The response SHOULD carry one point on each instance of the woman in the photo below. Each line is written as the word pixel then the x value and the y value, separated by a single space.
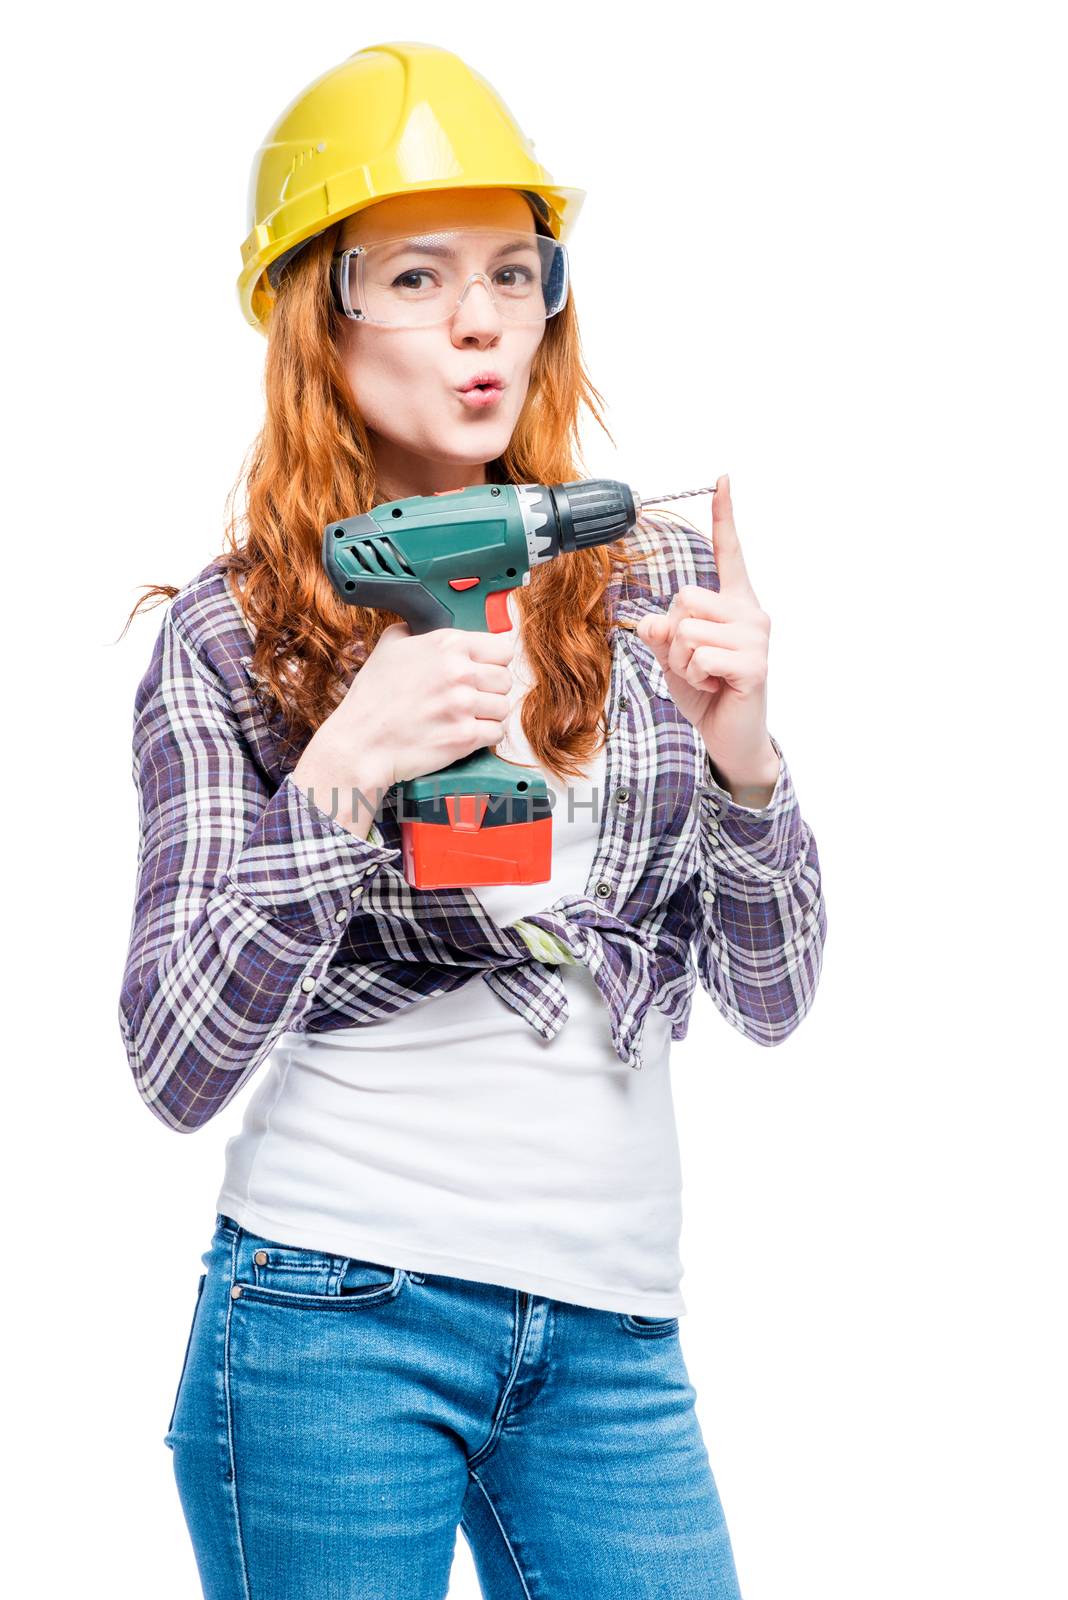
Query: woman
pixel 443 1283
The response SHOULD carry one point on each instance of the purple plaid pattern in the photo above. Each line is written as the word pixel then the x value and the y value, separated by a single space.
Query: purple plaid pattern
pixel 255 913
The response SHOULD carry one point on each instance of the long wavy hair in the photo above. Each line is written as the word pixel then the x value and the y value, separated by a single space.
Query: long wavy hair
pixel 312 463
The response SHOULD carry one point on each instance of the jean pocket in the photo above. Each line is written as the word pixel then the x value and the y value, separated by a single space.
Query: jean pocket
pixel 649 1327
pixel 185 1359
pixel 283 1274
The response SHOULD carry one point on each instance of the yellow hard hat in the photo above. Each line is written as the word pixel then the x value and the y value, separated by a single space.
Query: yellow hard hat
pixel 392 119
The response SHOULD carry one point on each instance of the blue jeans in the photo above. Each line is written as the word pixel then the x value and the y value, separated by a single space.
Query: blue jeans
pixel 336 1420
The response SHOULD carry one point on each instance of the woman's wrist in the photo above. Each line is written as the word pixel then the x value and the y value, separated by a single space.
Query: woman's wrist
pixel 751 782
pixel 351 795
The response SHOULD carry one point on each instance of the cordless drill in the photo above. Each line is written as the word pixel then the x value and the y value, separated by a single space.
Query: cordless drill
pixel 449 560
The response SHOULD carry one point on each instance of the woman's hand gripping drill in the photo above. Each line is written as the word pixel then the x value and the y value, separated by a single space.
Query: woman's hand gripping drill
pixel 419 702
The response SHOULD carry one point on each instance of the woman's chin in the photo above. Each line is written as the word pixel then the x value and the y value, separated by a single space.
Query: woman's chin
pixel 492 438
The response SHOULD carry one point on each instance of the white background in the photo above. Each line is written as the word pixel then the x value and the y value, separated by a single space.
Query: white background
pixel 822 250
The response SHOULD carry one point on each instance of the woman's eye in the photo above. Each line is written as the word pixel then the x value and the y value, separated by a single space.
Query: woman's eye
pixel 527 275
pixel 416 272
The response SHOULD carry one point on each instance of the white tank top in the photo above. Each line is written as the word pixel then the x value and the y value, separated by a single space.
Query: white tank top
pixel 452 1139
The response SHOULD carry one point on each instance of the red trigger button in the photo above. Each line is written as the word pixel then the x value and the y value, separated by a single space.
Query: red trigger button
pixel 463 583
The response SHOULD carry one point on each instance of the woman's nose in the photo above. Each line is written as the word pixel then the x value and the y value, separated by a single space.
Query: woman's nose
pixel 476 310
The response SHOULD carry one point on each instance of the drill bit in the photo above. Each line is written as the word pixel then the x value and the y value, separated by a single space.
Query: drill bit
pixel 683 494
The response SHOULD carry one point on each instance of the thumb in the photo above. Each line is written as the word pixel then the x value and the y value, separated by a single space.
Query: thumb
pixel 389 636
pixel 656 633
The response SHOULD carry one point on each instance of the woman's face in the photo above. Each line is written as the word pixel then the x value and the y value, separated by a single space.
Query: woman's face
pixel 405 380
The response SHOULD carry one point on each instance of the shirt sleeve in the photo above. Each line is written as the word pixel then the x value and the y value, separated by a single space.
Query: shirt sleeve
pixel 762 916
pixel 241 899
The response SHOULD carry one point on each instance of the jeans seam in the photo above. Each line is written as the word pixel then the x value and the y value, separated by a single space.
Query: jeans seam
pixel 228 1407
pixel 519 1345
pixel 507 1542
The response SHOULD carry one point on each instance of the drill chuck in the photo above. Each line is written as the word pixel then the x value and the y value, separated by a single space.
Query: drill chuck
pixel 594 511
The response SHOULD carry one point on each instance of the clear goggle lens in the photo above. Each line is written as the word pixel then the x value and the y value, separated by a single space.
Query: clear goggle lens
pixel 421 279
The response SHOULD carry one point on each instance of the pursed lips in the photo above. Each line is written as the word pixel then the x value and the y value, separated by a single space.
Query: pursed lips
pixel 482 380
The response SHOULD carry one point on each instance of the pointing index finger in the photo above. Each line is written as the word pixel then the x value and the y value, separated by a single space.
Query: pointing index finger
pixel 726 546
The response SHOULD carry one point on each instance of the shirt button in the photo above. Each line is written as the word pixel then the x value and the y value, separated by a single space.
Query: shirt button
pixel 622 795
pixel 308 984
pixel 709 895
pixel 603 888
pixel 341 916
pixel 713 823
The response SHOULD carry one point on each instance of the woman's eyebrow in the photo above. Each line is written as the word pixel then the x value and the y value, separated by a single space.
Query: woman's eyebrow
pixel 426 248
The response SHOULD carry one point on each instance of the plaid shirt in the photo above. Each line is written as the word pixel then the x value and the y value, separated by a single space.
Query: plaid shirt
pixel 256 913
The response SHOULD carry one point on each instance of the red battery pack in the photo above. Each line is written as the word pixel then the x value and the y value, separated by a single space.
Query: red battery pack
pixel 463 854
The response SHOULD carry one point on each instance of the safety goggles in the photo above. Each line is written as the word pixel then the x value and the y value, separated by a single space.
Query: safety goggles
pixel 417 280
